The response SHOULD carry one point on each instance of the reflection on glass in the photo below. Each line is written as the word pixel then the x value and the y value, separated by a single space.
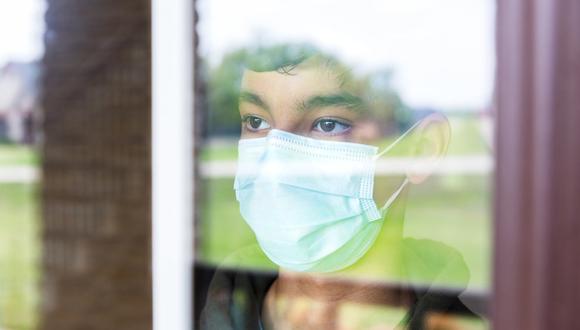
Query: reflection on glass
pixel 339 205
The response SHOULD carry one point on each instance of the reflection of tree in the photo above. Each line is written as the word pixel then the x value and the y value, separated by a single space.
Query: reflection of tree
pixel 223 90
pixel 223 82
pixel 387 106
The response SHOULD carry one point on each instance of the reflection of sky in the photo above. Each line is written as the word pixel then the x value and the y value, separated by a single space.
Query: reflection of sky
pixel 21 29
pixel 442 51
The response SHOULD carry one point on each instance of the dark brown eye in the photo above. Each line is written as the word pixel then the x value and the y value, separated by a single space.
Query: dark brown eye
pixel 255 122
pixel 327 125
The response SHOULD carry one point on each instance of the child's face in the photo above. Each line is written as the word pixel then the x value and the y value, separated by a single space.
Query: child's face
pixel 310 100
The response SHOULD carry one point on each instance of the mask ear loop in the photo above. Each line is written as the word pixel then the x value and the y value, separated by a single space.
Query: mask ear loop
pixel 399 139
pixel 396 194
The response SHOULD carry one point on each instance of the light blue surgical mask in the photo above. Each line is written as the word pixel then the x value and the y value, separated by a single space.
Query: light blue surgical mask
pixel 308 201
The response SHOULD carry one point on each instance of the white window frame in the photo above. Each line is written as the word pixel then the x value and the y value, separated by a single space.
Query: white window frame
pixel 172 163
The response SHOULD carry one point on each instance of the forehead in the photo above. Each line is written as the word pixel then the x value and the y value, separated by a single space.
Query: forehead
pixel 301 81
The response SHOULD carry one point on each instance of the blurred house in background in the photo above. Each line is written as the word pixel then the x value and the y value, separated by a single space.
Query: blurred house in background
pixel 18 101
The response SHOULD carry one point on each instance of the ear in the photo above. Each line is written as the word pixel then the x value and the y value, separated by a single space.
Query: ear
pixel 431 139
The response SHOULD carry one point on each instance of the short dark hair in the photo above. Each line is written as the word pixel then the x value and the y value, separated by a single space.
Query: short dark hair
pixel 284 58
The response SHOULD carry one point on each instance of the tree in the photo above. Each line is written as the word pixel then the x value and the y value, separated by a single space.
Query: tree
pixel 223 84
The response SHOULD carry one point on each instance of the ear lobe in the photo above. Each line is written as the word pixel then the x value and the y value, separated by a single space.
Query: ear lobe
pixel 431 140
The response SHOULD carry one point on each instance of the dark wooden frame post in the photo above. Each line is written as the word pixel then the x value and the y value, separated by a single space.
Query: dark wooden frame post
pixel 537 199
pixel 96 166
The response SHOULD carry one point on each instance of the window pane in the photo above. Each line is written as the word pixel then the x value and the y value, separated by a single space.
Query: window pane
pixel 347 148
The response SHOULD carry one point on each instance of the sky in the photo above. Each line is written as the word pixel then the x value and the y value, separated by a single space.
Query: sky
pixel 442 51
pixel 21 30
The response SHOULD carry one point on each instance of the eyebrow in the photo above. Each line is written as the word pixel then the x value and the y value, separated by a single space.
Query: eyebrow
pixel 342 99
pixel 254 99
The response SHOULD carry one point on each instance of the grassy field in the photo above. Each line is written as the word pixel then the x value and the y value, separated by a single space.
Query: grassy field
pixel 453 210
pixel 449 210
pixel 19 256
pixel 18 155
pixel 457 215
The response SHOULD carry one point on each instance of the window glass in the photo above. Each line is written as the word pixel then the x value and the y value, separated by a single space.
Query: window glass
pixel 345 165
pixel 21 31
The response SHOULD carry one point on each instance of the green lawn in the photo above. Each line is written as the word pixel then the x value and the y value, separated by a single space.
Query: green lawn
pixel 452 210
pixel 19 256
pixel 15 155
